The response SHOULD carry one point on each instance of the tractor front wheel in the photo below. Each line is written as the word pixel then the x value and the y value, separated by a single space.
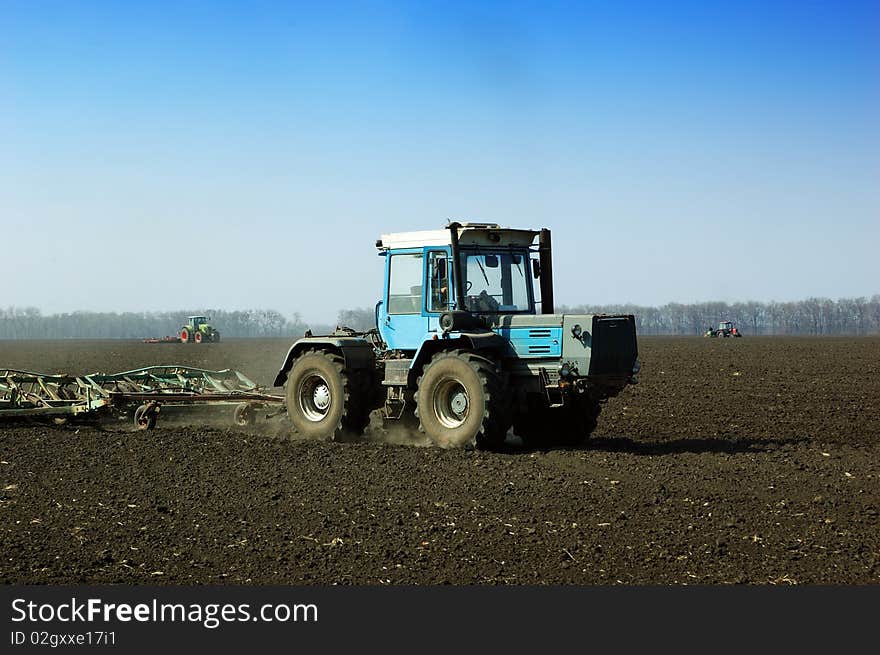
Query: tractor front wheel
pixel 569 425
pixel 184 335
pixel 461 401
pixel 199 337
pixel 323 399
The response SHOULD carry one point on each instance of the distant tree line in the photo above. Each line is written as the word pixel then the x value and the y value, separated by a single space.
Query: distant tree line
pixel 813 316
pixel 31 323
pixel 359 318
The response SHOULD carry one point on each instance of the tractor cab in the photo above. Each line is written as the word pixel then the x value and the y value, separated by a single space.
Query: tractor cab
pixel 725 326
pixel 197 321
pixel 479 268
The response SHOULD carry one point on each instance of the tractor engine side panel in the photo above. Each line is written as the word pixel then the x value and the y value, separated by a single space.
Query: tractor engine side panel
pixel 534 342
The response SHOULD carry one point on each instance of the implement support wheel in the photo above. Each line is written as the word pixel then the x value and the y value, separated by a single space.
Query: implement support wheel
pixel 244 415
pixel 145 416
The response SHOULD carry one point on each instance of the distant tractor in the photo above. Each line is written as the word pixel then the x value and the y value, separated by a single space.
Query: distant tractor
pixel 460 349
pixel 725 329
pixel 198 330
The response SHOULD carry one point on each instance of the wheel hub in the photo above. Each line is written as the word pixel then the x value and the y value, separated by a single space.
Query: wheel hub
pixel 459 403
pixel 322 397
pixel 315 398
pixel 451 403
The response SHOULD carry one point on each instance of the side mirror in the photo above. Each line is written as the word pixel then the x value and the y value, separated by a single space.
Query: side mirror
pixel 491 261
pixel 536 268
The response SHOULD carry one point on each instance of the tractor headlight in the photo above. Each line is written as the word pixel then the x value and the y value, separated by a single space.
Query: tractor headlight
pixel 577 330
pixel 637 366
pixel 564 371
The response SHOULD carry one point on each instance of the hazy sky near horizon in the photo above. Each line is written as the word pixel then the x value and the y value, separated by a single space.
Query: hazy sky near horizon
pixel 170 155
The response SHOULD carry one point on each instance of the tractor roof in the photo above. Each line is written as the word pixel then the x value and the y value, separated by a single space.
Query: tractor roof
pixel 469 234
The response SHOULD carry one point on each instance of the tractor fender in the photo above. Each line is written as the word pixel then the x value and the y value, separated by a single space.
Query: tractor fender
pixel 355 351
pixel 485 342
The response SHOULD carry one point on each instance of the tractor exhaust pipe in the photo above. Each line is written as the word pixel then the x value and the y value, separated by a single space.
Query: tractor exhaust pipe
pixel 545 252
pixel 458 275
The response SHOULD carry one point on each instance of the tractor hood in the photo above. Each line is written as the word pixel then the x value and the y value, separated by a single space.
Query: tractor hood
pixel 599 345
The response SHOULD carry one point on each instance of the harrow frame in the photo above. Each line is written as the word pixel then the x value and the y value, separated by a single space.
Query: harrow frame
pixel 139 393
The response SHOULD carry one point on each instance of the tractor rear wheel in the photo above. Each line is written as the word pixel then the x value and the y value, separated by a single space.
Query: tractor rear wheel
pixel 461 401
pixel 324 400
pixel 199 337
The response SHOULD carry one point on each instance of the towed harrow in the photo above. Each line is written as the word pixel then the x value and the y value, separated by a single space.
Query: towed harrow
pixel 139 395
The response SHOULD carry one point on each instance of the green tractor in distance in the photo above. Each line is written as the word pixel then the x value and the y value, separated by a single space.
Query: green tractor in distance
pixel 725 329
pixel 198 330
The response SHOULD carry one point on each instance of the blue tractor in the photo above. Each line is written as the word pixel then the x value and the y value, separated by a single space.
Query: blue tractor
pixel 464 346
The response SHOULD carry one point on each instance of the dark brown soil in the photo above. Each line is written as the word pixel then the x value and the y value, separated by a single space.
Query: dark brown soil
pixel 754 460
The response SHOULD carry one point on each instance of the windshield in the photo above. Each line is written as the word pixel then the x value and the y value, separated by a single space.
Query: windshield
pixel 496 282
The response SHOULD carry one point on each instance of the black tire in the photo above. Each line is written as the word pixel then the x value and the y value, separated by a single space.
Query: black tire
pixel 577 422
pixel 324 400
pixel 461 401
pixel 216 337
pixel 570 425
pixel 144 419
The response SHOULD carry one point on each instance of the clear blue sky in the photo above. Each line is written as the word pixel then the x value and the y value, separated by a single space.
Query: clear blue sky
pixel 166 155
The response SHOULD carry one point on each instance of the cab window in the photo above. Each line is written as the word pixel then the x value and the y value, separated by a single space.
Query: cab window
pixel 438 281
pixel 405 284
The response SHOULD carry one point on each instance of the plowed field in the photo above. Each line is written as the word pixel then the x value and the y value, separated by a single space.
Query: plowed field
pixel 753 460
